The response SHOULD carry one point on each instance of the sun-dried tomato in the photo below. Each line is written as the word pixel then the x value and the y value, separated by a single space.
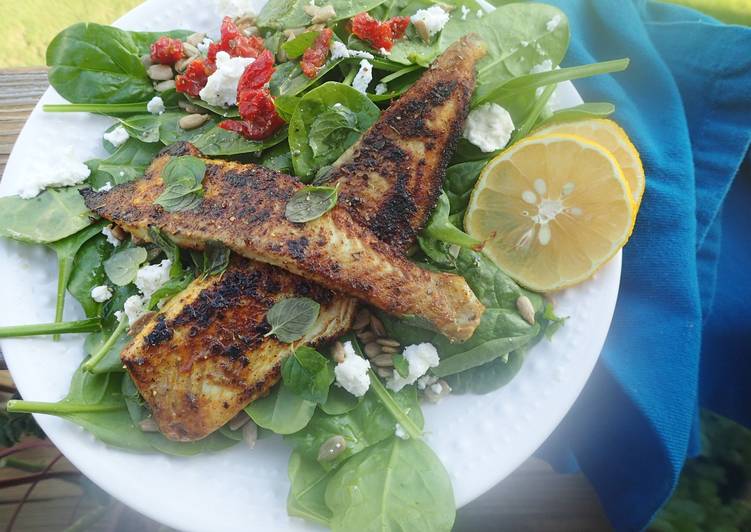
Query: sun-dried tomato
pixel 235 42
pixel 379 34
pixel 257 74
pixel 195 77
pixel 260 119
pixel 166 50
pixel 315 56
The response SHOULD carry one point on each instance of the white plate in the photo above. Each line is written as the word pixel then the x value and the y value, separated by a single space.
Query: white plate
pixel 480 439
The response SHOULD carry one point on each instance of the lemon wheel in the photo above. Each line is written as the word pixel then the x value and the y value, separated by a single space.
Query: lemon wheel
pixel 551 210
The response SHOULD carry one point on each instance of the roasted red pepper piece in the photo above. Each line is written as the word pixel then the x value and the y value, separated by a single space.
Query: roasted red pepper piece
pixel 195 77
pixel 379 34
pixel 166 50
pixel 315 56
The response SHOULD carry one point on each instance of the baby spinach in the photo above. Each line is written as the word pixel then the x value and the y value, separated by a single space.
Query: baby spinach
pixel 88 272
pixel 396 485
pixel 339 401
pixel 308 374
pixel 217 141
pixel 171 288
pixel 278 158
pixel 307 491
pixel 282 411
pixel 183 184
pixel 440 227
pixel 144 39
pixel 92 63
pixel 291 318
pixel 226 112
pixel 330 141
pixel 310 203
pixel 110 345
pixel 213 260
pixel 288 78
pixel 458 184
pixel 580 112
pixel 52 215
pixel 297 46
pixel 489 376
pixel 121 268
pixel 169 248
pixel 126 163
pixel 291 13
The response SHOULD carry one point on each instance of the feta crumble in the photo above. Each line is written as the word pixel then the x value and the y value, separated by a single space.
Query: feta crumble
pixel 152 277
pixel 400 432
pixel 155 106
pixel 381 88
pixel 363 77
pixel 134 308
pixel 221 87
pixel 553 23
pixel 111 238
pixel 340 51
pixel 102 293
pixel 545 66
pixel 489 127
pixel 420 358
pixel 104 188
pixel 68 171
pixel 117 136
pixel 426 381
pixel 384 52
pixel 465 12
pixel 352 374
pixel 203 46
pixel 434 18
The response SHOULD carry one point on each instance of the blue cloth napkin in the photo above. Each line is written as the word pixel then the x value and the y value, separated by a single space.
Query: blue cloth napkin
pixel 682 325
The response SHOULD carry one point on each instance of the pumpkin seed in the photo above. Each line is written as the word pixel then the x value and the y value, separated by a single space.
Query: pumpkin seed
pixel 160 72
pixel 526 310
pixel 192 121
pixel 372 349
pixel 332 448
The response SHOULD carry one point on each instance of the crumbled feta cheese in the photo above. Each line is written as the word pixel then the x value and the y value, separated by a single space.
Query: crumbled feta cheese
pixel 221 87
pixel 117 136
pixel 425 381
pixel 553 23
pixel 104 188
pixel 203 46
pixel 340 51
pixel 436 388
pixel 384 52
pixel 400 432
pixel 545 66
pixel 434 18
pixel 134 308
pixel 155 106
pixel 152 277
pixel 111 238
pixel 381 88
pixel 352 374
pixel 67 171
pixel 102 293
pixel 235 8
pixel 465 12
pixel 489 127
pixel 420 358
pixel 363 76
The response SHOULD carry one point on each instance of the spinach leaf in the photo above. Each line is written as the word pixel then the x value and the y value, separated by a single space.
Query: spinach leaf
pixel 109 361
pixel 459 181
pixel 439 227
pixel 221 142
pixel 308 481
pixel 144 39
pixel 52 215
pixel 88 272
pixel 329 129
pixel 213 260
pixel 580 112
pixel 170 249
pixel 339 401
pixel 291 14
pixel 183 181
pixel 282 411
pixel 291 318
pixel 396 485
pixel 278 158
pixel 121 268
pixel 365 425
pixel 310 202
pixel 297 46
pixel 126 163
pixel 308 374
pixel 489 376
pixel 172 287
pixel 288 78
pixel 91 63
pixel 327 98
pixel 286 105
pixel 226 112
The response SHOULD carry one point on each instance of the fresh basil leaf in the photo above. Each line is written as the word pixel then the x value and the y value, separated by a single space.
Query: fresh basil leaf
pixel 213 260
pixel 310 203
pixel 401 365
pixel 171 288
pixel 297 46
pixel 121 268
pixel 185 166
pixel 329 130
pixel 52 215
pixel 183 194
pixel 282 411
pixel 308 374
pixel 170 249
pixel 291 318
pixel 397 481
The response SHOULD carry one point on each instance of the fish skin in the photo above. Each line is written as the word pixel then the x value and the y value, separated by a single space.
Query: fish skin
pixel 185 411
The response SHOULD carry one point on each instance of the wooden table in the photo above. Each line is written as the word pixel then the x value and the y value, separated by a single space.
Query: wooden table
pixel 533 498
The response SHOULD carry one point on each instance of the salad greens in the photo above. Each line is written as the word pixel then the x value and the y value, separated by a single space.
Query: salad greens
pixel 377 473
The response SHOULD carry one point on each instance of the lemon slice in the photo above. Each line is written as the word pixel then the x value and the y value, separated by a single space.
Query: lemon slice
pixel 611 136
pixel 551 210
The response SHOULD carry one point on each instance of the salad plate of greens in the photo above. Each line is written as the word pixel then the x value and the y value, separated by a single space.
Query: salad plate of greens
pixel 386 425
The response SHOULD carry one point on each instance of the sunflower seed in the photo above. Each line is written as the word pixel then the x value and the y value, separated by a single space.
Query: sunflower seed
pixel 196 38
pixel 146 60
pixel 160 72
pixel 332 448
pixel 250 434
pixel 362 319
pixel 372 349
pixel 190 50
pixel 422 30
pixel 377 326
pixel 148 425
pixel 189 107
pixel 388 342
pixel 385 373
pixel 337 352
pixel 239 420
pixel 320 14
pixel 526 310
pixel 182 64
pixel 165 85
pixel 192 121
pixel 383 361
pixel 436 392
pixel 389 350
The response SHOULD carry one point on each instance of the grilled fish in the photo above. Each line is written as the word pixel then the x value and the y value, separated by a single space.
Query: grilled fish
pixel 187 409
